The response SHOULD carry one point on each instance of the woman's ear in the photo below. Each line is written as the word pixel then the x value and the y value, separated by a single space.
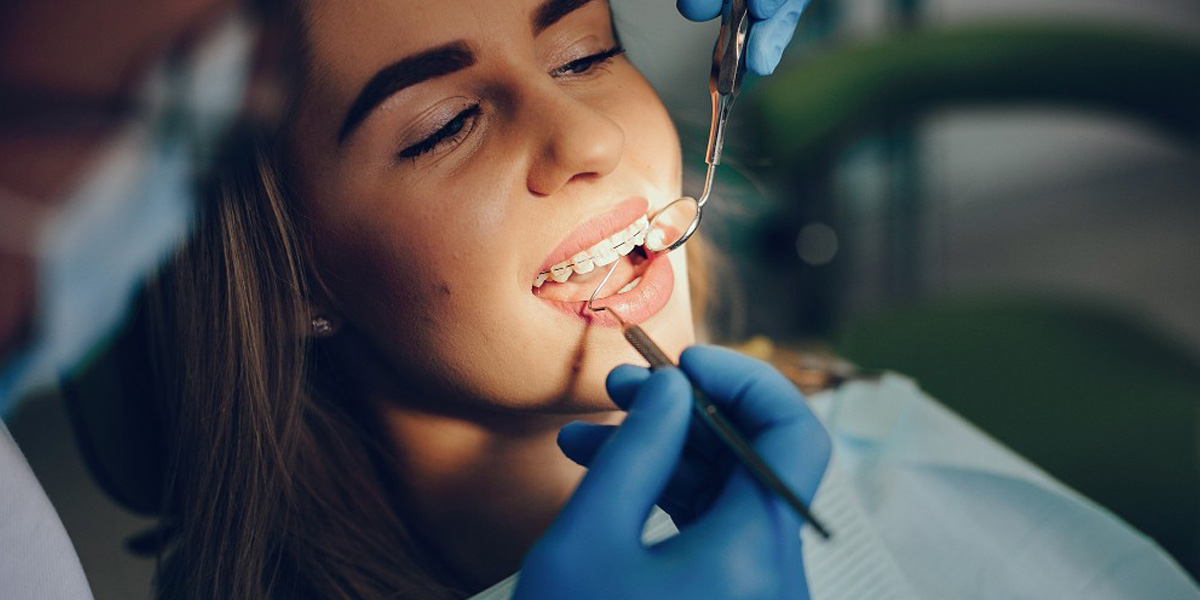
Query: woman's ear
pixel 323 319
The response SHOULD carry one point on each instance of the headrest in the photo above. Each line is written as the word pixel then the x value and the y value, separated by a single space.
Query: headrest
pixel 111 405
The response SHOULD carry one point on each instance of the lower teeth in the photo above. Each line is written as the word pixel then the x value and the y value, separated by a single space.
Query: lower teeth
pixel 630 286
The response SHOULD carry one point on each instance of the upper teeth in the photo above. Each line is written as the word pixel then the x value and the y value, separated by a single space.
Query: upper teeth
pixel 602 253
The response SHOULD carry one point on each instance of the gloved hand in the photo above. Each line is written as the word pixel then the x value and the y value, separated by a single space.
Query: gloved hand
pixel 737 540
pixel 772 24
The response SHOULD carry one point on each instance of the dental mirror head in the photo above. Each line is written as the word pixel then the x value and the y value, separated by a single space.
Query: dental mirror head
pixel 667 230
pixel 673 225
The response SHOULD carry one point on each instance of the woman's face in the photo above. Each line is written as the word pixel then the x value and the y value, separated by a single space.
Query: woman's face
pixel 447 153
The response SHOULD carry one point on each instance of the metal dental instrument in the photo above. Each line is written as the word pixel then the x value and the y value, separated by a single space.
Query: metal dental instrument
pixel 724 83
pixel 711 415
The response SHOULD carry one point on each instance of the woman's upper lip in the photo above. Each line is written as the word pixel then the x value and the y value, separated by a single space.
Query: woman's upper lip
pixel 597 228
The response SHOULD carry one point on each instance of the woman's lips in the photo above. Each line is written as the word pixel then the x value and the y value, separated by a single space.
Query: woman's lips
pixel 645 300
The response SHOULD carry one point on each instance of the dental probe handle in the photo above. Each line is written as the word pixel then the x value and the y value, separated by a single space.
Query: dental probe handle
pixel 725 430
pixel 751 459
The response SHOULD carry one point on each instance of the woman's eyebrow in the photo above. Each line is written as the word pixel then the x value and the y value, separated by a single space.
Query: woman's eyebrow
pixel 408 71
pixel 435 62
pixel 551 11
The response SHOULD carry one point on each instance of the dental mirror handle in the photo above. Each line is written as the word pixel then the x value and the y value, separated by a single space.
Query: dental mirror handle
pixel 728 69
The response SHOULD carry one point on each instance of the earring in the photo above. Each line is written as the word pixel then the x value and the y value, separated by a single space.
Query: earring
pixel 321 326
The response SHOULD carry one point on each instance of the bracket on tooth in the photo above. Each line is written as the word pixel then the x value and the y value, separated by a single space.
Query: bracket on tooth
pixel 584 263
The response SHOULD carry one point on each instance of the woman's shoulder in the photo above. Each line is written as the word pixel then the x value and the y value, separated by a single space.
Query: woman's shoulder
pixel 960 514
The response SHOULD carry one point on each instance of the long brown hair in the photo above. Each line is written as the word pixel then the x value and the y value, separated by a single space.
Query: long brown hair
pixel 277 489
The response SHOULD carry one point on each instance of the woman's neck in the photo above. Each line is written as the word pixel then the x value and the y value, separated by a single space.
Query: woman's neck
pixel 482 491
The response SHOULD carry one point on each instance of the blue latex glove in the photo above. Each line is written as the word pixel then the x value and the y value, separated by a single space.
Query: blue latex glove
pixel 736 539
pixel 772 24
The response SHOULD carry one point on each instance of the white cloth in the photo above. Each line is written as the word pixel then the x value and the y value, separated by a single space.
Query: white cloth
pixel 37 560
pixel 924 505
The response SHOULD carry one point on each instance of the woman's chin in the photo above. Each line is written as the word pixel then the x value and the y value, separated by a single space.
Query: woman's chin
pixel 590 391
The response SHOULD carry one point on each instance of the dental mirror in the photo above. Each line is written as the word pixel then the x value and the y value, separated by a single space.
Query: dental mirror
pixel 673 225
pixel 725 82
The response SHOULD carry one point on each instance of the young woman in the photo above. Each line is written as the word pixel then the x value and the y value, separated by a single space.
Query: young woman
pixel 365 363
pixel 436 159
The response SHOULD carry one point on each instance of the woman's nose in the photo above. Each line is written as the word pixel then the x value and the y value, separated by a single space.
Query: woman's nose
pixel 576 141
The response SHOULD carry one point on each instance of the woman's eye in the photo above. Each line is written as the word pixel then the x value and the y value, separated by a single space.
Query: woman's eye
pixel 448 132
pixel 587 63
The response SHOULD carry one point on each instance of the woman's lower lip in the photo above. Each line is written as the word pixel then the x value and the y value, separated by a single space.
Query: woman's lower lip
pixel 635 306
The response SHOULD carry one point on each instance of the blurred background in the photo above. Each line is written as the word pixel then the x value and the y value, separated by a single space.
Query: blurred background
pixel 1033 194
pixel 1001 200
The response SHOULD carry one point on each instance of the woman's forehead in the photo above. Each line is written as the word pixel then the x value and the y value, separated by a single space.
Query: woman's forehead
pixel 348 30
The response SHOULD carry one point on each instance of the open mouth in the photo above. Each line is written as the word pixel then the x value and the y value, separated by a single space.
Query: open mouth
pixel 641 283
pixel 574 280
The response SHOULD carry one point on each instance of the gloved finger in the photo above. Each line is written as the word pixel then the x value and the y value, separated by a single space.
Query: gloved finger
pixel 633 468
pixel 699 10
pixel 757 526
pixel 704 443
pixel 692 488
pixel 750 392
pixel 743 555
pixel 770 37
pixel 623 383
pixel 581 441
pixel 769 409
pixel 798 451
pixel 764 9
pixel 747 514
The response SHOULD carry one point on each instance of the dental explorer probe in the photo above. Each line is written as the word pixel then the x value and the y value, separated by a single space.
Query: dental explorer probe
pixel 712 416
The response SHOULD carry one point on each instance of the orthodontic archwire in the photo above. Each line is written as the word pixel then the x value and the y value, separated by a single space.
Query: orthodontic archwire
pixel 592 300
pixel 641 232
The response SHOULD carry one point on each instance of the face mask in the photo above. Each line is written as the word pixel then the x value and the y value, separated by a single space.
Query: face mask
pixel 129 213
